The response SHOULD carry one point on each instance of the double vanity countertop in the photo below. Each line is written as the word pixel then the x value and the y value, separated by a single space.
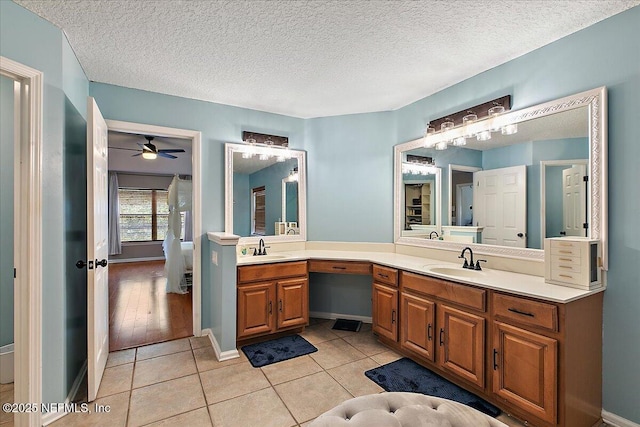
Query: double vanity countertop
pixel 505 281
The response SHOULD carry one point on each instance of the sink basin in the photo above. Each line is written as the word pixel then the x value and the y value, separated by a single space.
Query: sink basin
pixel 454 272
pixel 267 257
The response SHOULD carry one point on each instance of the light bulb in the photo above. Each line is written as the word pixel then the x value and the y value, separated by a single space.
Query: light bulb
pixel 148 155
pixel 484 135
pixel 510 129
pixel 459 141
pixel 442 145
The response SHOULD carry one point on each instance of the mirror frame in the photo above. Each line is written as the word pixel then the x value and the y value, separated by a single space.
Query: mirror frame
pixel 229 149
pixel 596 101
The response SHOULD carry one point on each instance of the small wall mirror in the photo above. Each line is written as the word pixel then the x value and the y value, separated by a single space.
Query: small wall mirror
pixel 546 177
pixel 265 195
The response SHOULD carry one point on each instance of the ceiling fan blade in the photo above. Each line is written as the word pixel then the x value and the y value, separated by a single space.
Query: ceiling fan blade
pixel 168 156
pixel 145 147
pixel 122 148
pixel 171 150
pixel 135 155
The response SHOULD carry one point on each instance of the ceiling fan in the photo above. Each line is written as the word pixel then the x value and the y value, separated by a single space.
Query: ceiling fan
pixel 150 151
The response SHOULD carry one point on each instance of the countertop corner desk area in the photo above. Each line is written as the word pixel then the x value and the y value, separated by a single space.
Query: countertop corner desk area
pixel 522 344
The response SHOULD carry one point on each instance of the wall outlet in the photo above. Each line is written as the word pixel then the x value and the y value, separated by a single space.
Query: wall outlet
pixel 214 257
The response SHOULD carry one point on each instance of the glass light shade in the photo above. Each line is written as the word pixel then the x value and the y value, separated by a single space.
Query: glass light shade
pixel 429 130
pixel 496 110
pixel 467 122
pixel 460 141
pixel 509 129
pixel 447 124
pixel 264 156
pixel 442 145
pixel 148 155
pixel 484 135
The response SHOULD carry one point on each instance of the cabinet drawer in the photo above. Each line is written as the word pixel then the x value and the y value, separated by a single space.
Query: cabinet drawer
pixel 525 311
pixel 567 276
pixel 448 291
pixel 341 267
pixel 566 259
pixel 568 250
pixel 385 274
pixel 561 266
pixel 252 273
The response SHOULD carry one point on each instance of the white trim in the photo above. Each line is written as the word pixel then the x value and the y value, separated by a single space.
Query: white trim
pixel 125 260
pixel 229 149
pixel 616 420
pixel 596 102
pixel 196 138
pixel 332 316
pixel 543 199
pixel 223 239
pixel 28 242
pixel 459 168
pixel 221 356
pixel 51 417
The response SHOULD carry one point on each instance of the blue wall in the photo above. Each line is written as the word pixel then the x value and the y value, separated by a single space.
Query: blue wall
pixel 350 163
pixel 6 210
pixel 27 38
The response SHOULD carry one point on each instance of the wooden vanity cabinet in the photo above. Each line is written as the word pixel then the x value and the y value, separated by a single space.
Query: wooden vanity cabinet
pixel 384 297
pixel 437 326
pixel 272 298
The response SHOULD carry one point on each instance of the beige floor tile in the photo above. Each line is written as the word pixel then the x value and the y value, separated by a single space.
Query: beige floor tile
pixel 164 368
pixel 386 357
pixel 121 357
pixel 118 405
pixel 163 400
pixel 366 342
pixel 318 333
pixel 6 396
pixel 291 369
pixel 116 380
pixel 261 408
pixel 163 348
pixel 206 359
pixel 311 396
pixel 199 342
pixel 232 381
pixel 351 376
pixel 6 387
pixel 317 321
pixel 198 418
pixel 335 353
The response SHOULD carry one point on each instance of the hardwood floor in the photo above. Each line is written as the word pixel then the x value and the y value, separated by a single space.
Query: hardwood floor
pixel 140 311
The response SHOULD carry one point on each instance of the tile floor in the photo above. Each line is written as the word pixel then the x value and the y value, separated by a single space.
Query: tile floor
pixel 180 383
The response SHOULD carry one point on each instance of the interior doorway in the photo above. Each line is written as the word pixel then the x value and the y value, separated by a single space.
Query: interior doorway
pixel 148 301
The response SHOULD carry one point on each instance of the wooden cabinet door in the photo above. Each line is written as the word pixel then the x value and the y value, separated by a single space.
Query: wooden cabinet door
pixel 417 325
pixel 525 367
pixel 293 303
pixel 461 344
pixel 385 311
pixel 256 308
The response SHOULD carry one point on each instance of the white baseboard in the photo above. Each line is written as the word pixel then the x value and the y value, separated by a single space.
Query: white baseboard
pixel 123 260
pixel 617 421
pixel 326 315
pixel 51 417
pixel 221 356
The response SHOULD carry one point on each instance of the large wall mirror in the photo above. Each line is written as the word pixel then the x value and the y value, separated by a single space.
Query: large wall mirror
pixel 505 195
pixel 265 194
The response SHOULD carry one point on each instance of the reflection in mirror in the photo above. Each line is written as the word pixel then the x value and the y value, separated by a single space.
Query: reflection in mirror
pixel 264 194
pixel 420 195
pixel 512 190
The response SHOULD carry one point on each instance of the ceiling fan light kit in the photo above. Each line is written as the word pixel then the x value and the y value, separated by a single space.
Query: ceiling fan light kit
pixel 150 152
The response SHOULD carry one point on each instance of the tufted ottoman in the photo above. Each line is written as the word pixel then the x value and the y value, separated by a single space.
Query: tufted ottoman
pixel 403 410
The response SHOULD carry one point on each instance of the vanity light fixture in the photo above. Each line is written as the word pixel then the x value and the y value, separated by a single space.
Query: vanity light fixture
pixel 460 141
pixel 484 135
pixel 293 175
pixel 418 168
pixel 509 129
pixel 265 146
pixel 467 122
pixel 494 113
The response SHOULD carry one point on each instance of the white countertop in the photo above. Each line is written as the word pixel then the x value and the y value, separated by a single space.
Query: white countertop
pixel 515 283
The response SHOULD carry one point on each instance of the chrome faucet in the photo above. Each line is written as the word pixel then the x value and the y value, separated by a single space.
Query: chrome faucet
pixel 469 264
pixel 431 234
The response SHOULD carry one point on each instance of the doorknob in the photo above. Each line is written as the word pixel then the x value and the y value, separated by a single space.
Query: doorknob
pixel 82 264
pixel 520 235
pixel 102 263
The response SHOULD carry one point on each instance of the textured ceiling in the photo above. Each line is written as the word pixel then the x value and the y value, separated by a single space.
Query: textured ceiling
pixel 309 58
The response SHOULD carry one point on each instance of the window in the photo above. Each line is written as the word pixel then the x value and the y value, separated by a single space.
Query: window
pixel 144 214
pixel 258 211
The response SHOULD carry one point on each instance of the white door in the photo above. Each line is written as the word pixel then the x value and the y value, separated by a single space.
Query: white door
pixel 464 204
pixel 97 248
pixel 500 197
pixel 574 209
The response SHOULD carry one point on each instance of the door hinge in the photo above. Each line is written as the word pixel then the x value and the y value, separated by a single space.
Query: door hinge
pixel 585 178
pixel 585 225
pixel 15 273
